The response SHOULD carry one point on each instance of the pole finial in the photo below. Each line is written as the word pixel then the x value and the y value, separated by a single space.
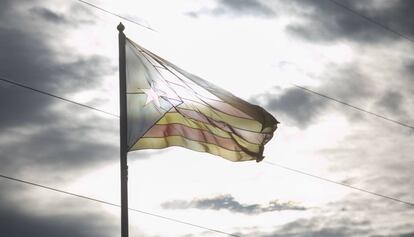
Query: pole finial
pixel 121 27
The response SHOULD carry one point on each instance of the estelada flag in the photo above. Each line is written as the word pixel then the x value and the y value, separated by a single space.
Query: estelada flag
pixel 167 106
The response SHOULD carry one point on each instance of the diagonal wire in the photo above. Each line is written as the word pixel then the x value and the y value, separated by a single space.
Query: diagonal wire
pixel 317 93
pixel 381 25
pixel 353 11
pixel 347 8
pixel 115 14
pixel 354 107
pixel 115 205
pixel 339 183
pixel 55 96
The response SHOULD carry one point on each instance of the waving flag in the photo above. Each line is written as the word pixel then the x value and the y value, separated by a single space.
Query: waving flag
pixel 167 106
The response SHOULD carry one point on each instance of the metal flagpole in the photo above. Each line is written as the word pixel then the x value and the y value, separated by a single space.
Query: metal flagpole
pixel 123 132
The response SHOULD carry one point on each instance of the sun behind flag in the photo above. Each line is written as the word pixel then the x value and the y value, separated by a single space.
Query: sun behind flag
pixel 167 106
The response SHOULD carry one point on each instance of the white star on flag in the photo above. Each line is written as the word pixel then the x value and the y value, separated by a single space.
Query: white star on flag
pixel 152 96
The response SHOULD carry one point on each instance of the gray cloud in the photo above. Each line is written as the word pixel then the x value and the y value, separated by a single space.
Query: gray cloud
pixel 407 80
pixel 357 214
pixel 44 137
pixel 296 106
pixel 407 235
pixel 22 217
pixel 347 83
pixel 320 227
pixel 28 58
pixel 49 15
pixel 325 21
pixel 392 102
pixel 237 8
pixel 76 16
pixel 60 148
pixel 16 223
pixel 227 202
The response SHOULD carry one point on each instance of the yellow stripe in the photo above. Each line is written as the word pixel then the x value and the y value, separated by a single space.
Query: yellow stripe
pixel 173 117
pixel 242 123
pixel 159 143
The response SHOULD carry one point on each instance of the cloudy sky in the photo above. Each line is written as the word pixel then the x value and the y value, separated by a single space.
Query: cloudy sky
pixel 256 49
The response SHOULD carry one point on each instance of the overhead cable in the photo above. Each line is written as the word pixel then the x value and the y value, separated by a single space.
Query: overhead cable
pixel 371 20
pixel 55 96
pixel 115 205
pixel 115 14
pixel 354 107
pixel 327 97
pixel 339 183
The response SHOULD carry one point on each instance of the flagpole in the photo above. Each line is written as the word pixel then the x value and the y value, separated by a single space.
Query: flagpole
pixel 123 131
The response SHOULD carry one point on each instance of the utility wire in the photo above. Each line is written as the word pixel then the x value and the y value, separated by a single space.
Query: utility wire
pixel 114 14
pixel 300 87
pixel 116 205
pixel 354 107
pixel 349 9
pixel 55 96
pixel 381 25
pixel 303 88
pixel 85 197
pixel 339 183
pixel 117 116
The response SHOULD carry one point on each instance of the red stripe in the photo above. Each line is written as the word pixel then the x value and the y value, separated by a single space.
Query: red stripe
pixel 192 134
pixel 189 94
pixel 250 136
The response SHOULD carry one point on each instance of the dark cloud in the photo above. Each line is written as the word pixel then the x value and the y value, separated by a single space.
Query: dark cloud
pixel 392 102
pixel 325 21
pixel 356 215
pixel 322 227
pixel 410 67
pixel 45 137
pixel 407 235
pixel 6 5
pixel 19 107
pixel 407 79
pixel 296 106
pixel 22 216
pixel 76 16
pixel 227 202
pixel 28 58
pixel 347 83
pixel 237 8
pixel 64 147
pixel 15 224
pixel 49 15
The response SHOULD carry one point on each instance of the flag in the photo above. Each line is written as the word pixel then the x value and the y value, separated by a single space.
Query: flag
pixel 167 106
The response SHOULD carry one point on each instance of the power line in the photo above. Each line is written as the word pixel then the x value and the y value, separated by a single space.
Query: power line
pixel 339 183
pixel 116 205
pixel 55 96
pixel 349 9
pixel 300 87
pixel 85 197
pixel 381 25
pixel 117 116
pixel 354 107
pixel 314 92
pixel 117 15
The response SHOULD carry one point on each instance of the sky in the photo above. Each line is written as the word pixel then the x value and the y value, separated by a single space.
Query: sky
pixel 256 49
